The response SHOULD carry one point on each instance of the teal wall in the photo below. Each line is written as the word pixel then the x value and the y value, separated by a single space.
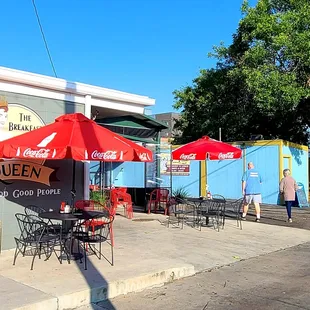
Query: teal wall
pixel 266 161
pixel 224 177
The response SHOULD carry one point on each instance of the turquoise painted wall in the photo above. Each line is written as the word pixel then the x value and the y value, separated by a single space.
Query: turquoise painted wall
pixel 129 174
pixel 266 161
pixel 224 177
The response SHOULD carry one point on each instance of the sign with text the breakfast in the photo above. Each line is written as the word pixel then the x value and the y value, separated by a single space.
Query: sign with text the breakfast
pixel 16 119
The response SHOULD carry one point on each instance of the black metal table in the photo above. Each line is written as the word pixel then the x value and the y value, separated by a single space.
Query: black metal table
pixel 71 218
pixel 201 205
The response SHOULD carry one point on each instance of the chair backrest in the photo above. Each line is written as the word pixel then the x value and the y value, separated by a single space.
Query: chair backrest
pixel 163 193
pixel 33 210
pixel 31 227
pixel 160 194
pixel 122 189
pixel 237 205
pixel 85 205
pixel 114 195
pixel 218 198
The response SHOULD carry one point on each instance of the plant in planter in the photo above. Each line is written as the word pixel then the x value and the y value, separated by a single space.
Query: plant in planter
pixel 180 194
pixel 98 196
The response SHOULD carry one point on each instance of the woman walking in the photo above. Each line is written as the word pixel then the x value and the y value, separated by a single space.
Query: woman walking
pixel 288 187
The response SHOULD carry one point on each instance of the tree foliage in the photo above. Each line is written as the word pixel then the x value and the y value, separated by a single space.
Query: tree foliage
pixel 261 84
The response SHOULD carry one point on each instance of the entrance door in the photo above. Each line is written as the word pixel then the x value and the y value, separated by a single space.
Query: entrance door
pixel 287 162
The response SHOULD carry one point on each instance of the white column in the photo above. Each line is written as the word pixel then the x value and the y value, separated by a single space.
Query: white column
pixel 87 113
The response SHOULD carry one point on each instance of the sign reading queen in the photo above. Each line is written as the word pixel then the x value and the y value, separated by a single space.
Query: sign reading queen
pixel 16 119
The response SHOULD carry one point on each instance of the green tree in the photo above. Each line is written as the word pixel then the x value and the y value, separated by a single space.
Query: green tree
pixel 261 82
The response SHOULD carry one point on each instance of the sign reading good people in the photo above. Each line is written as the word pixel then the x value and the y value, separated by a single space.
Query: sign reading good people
pixel 16 119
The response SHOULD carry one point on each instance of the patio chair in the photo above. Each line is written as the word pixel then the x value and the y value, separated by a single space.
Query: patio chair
pixel 181 211
pixel 36 237
pixel 119 196
pixel 35 210
pixel 233 209
pixel 159 197
pixel 102 233
pixel 91 205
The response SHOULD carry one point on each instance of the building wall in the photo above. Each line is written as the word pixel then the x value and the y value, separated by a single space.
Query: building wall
pixel 270 158
pixel 169 120
pixel 224 177
pixel 39 194
pixel 266 161
pixel 130 174
pixel 189 182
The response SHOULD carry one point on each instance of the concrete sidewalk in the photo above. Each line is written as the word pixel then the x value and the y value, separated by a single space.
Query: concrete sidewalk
pixel 147 254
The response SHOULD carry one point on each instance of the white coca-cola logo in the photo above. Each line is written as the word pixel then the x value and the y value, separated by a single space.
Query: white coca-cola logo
pixel 144 157
pixel 191 156
pixel 229 155
pixel 42 153
pixel 108 155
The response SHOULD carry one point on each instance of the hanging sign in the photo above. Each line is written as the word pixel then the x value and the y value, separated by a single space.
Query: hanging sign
pixel 176 167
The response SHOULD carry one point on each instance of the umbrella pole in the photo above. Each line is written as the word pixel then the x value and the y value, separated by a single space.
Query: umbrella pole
pixel 110 177
pixel 73 191
pixel 171 162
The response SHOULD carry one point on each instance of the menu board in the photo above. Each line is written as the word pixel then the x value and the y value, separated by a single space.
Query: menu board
pixel 301 196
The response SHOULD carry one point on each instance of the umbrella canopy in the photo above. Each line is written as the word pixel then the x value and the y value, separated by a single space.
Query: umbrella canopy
pixel 206 148
pixel 73 136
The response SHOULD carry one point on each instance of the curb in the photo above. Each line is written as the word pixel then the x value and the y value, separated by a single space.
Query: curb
pixel 122 287
pixel 110 290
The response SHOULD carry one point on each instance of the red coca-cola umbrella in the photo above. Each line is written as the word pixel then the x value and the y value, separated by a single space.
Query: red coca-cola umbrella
pixel 73 136
pixel 206 148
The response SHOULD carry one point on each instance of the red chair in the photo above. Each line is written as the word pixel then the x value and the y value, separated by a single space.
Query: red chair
pixel 159 198
pixel 119 196
pixel 91 205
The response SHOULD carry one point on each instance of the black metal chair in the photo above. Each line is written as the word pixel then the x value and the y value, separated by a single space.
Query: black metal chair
pixel 181 211
pixel 89 238
pixel 35 210
pixel 234 209
pixel 36 237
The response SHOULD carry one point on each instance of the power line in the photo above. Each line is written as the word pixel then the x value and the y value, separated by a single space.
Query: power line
pixel 44 39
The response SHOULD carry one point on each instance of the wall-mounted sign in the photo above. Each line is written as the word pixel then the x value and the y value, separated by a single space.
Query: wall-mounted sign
pixel 178 167
pixel 16 119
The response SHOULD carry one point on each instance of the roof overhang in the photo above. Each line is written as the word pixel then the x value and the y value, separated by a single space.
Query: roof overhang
pixel 49 87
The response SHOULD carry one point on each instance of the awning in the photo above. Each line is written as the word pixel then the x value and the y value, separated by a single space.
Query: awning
pixel 142 128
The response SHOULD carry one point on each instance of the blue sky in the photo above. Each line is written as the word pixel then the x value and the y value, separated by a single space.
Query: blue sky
pixel 148 47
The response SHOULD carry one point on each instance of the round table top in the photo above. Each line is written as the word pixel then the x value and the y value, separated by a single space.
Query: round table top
pixel 84 215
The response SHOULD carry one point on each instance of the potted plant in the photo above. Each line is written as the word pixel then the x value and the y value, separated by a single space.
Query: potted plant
pixel 98 196
pixel 180 194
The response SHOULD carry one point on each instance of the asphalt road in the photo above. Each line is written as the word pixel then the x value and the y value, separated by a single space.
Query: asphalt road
pixel 279 280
